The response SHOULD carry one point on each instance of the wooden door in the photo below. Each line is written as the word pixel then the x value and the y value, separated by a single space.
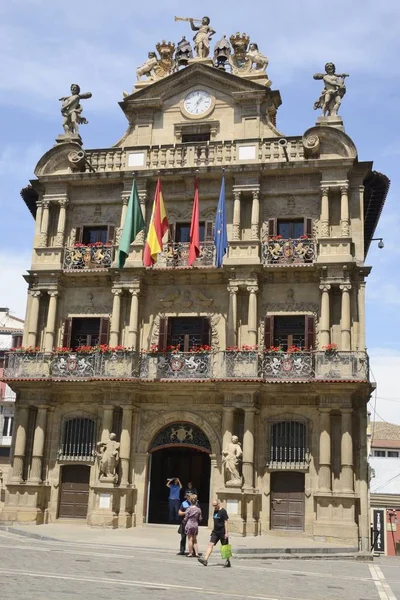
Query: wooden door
pixel 287 500
pixel 74 497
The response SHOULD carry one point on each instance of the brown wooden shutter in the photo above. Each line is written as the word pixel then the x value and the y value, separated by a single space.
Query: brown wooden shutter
pixel 209 231
pixel 268 332
pixel 206 334
pixel 163 334
pixel 308 226
pixel 78 235
pixel 67 333
pixel 16 341
pixel 309 327
pixel 172 233
pixel 272 227
pixel 104 331
pixel 110 234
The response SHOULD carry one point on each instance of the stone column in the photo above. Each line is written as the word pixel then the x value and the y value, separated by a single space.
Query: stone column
pixel 20 444
pixel 133 319
pixel 325 477
pixel 325 329
pixel 115 317
pixel 142 200
pixel 252 315
pixel 62 217
pixel 108 412
pixel 361 316
pixel 346 317
pixel 227 425
pixel 44 228
pixel 125 448
pixel 347 451
pixel 324 227
pixel 236 216
pixel 255 215
pixel 33 317
pixel 51 321
pixel 232 315
pixel 38 446
pixel 344 211
pixel 26 321
pixel 248 448
pixel 125 200
pixel 38 222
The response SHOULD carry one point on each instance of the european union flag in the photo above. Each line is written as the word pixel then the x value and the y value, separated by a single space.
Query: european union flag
pixel 221 233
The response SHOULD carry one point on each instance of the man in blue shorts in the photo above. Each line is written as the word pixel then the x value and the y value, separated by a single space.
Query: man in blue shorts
pixel 219 532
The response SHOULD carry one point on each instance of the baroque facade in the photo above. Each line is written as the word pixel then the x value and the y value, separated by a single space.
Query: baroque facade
pixel 269 348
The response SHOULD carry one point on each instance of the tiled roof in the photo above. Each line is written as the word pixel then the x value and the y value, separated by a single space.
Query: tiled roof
pixel 384 431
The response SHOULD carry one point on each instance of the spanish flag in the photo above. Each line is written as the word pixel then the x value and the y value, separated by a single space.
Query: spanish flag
pixel 157 228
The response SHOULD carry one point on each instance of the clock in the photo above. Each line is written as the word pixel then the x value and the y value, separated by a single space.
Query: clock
pixel 197 102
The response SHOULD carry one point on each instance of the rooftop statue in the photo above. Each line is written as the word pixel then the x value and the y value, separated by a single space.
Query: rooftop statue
pixel 155 68
pixel 259 60
pixel 147 68
pixel 333 92
pixel 71 110
pixel 203 35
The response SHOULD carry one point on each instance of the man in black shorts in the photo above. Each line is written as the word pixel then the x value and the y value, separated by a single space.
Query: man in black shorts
pixel 219 532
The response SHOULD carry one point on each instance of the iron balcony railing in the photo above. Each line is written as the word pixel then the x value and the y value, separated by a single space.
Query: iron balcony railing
pixel 177 255
pixel 213 365
pixel 277 251
pixel 96 256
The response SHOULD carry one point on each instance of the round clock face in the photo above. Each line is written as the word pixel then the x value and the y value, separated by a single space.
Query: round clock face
pixel 197 102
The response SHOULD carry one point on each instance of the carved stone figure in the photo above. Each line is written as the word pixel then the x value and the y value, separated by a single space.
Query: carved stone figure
pixel 147 68
pixel 259 60
pixel 333 92
pixel 71 110
pixel 202 37
pixel 108 455
pixel 183 53
pixel 231 457
pixel 156 68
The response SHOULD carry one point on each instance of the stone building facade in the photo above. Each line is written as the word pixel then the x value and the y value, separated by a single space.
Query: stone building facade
pixel 284 317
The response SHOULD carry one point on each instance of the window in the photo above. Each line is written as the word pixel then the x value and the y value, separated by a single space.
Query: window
pixel 380 453
pixel 16 341
pixel 180 232
pixel 94 234
pixel 288 442
pixel 190 138
pixel 288 331
pixel 185 332
pixel 79 440
pixel 393 453
pixel 8 426
pixel 290 229
pixel 85 332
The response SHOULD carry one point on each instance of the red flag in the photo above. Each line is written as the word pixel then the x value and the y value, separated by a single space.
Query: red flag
pixel 194 247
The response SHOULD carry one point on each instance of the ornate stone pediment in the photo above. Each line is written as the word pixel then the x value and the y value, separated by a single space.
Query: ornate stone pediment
pixel 328 142
pixel 57 160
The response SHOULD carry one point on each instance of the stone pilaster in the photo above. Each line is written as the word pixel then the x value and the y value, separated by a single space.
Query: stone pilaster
pixel 133 318
pixel 125 447
pixel 325 328
pixel 38 446
pixel 255 215
pixel 33 317
pixel 361 316
pixel 125 199
pixel 252 315
pixel 248 448
pixel 26 320
pixel 44 228
pixel 38 222
pixel 324 221
pixel 236 215
pixel 142 201
pixel 108 411
pixel 115 317
pixel 21 416
pixel 325 476
pixel 232 315
pixel 51 321
pixel 346 317
pixel 346 450
pixel 227 425
pixel 344 211
pixel 62 217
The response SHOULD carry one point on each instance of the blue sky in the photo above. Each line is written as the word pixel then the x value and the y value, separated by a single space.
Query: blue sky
pixel 46 46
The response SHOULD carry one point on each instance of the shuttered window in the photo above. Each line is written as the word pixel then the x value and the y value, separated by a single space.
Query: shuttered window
pixel 288 331
pixel 185 332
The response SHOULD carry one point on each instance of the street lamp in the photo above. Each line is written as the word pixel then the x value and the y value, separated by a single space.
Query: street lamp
pixel 380 242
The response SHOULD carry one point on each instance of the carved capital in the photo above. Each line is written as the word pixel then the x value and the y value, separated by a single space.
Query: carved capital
pixel 325 287
pixel 45 204
pixel 142 196
pixel 134 291
pixel 325 191
pixel 236 195
pixel 125 199
pixel 233 289
pixel 116 291
pixel 35 293
pixel 53 293
pixel 252 289
pixel 344 189
pixel 345 287
pixel 256 194
pixel 63 202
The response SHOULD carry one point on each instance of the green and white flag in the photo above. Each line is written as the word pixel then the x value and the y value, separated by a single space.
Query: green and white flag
pixel 134 222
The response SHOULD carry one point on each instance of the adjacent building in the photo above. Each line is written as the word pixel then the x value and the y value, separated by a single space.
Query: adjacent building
pixel 176 360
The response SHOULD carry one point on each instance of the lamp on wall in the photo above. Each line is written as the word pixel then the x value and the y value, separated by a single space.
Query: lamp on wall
pixel 380 242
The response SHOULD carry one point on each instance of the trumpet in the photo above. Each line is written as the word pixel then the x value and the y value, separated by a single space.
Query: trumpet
pixel 187 19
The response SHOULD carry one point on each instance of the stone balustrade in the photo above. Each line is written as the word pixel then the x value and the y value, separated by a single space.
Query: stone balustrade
pixel 125 364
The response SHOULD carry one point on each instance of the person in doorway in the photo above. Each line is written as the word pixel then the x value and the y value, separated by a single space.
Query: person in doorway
pixel 219 532
pixel 190 489
pixel 182 509
pixel 174 500
pixel 191 521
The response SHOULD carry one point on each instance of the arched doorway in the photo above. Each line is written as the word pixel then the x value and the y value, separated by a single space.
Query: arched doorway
pixel 179 450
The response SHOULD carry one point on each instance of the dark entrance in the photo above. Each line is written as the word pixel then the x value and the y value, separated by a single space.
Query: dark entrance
pixel 189 464
pixel 287 500
pixel 74 497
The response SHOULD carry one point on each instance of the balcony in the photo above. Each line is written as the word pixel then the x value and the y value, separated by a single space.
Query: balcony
pixel 278 251
pixel 177 254
pixel 91 256
pixel 175 366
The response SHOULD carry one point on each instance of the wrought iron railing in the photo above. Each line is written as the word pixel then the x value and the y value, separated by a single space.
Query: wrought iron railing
pixel 177 255
pixel 280 251
pixel 88 257
pixel 125 364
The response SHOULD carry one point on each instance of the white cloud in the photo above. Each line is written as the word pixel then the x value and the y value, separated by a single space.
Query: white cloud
pixel 13 292
pixel 385 366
